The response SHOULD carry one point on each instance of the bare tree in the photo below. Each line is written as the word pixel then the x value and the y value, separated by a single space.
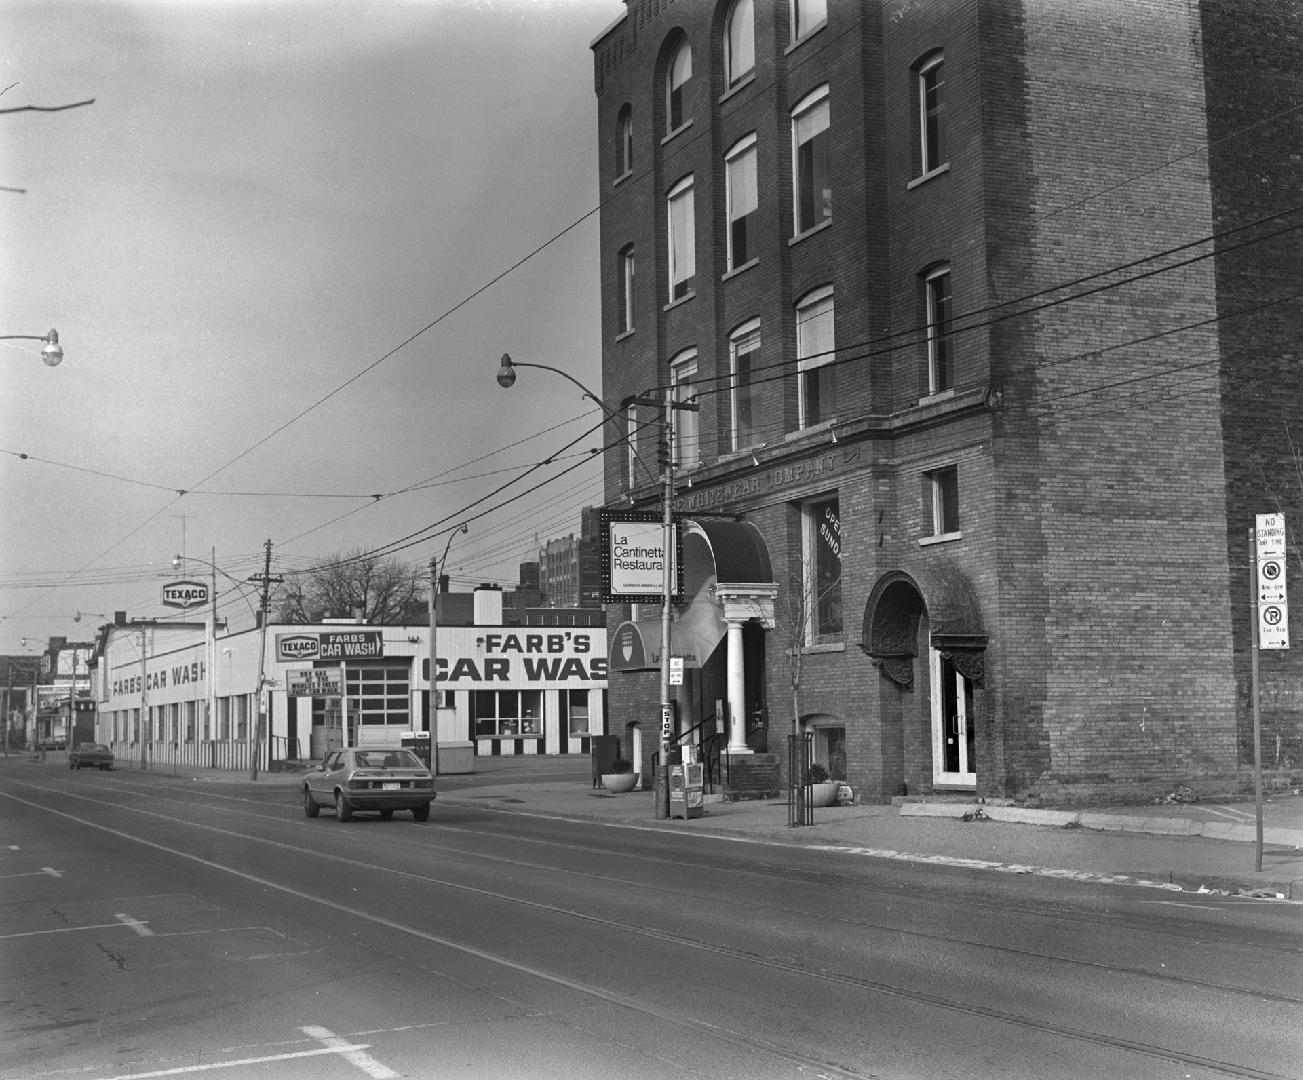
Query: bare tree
pixel 382 590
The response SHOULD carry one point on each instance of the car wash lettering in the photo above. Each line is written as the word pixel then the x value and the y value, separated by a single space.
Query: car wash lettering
pixel 528 658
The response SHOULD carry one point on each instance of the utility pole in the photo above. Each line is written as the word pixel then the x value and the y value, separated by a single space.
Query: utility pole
pixel 267 579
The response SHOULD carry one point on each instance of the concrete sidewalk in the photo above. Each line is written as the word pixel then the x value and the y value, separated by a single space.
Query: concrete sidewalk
pixel 1191 847
pixel 1180 846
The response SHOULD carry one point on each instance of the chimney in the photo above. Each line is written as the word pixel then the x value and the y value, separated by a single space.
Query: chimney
pixel 488 605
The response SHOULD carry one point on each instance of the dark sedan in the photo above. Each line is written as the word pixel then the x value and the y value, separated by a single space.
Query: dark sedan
pixel 369 778
pixel 90 755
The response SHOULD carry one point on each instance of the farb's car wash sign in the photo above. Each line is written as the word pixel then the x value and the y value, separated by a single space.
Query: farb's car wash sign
pixel 633 558
pixel 331 645
pixel 525 657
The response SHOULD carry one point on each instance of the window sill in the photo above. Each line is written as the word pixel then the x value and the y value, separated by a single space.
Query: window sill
pixel 624 334
pixel 737 87
pixel 940 170
pixel 692 295
pixel 741 269
pixel 802 40
pixel 824 647
pixel 824 224
pixel 745 453
pixel 941 538
pixel 811 431
pixel 622 177
pixel 670 135
pixel 939 396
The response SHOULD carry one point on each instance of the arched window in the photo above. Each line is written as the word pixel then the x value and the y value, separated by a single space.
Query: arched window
pixel 741 201
pixel 682 239
pixel 739 42
pixel 811 165
pixel 676 79
pixel 683 378
pixel 744 359
pixel 929 73
pixel 815 353
pixel 624 141
pixel 940 357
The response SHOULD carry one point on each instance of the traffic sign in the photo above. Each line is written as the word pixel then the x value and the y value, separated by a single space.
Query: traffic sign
pixel 1270 534
pixel 1273 598
pixel 676 671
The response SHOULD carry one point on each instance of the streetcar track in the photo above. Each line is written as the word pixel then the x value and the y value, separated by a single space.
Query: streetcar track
pixel 1048 1027
pixel 1020 910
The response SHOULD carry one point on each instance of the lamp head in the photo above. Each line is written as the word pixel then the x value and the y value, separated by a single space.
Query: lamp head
pixel 507 372
pixel 176 562
pixel 52 354
pixel 465 527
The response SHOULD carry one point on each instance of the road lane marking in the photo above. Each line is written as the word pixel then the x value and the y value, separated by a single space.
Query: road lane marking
pixel 136 924
pixel 352 1054
pixel 183 1070
pixel 46 870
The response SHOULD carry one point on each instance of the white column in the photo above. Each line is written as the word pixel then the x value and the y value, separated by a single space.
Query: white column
pixel 737 704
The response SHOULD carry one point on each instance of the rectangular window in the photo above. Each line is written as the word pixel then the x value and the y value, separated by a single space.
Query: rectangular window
pixel 575 702
pixel 815 351
pixel 941 373
pixel 742 200
pixel 823 570
pixel 631 446
pixel 931 115
pixel 687 447
pixel 811 172
pixel 807 15
pixel 507 713
pixel 624 291
pixel 744 355
pixel 943 487
pixel 682 240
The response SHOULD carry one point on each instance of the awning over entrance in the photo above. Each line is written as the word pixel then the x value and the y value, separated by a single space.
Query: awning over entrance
pixel 714 553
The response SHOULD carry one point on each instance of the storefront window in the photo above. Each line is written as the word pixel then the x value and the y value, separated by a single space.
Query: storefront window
pixel 575 702
pixel 507 713
pixel 823 562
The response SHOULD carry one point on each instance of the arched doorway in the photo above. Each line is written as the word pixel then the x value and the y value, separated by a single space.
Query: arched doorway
pixel 933 613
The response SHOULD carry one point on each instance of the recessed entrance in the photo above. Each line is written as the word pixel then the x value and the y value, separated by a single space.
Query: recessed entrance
pixel 952 728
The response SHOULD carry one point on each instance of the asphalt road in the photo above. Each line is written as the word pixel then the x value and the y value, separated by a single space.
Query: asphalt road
pixel 153 927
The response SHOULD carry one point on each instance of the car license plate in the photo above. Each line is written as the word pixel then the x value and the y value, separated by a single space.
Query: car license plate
pixel 393 785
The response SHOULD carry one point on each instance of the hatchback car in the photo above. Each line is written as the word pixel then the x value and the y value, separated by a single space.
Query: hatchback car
pixel 369 778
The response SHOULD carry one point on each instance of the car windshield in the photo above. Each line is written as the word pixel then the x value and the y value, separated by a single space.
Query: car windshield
pixel 387 759
pixel 96 746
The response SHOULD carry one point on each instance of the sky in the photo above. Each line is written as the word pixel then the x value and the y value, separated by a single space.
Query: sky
pixel 281 250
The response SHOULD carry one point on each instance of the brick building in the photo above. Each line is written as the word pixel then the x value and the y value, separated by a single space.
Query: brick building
pixel 570 571
pixel 992 312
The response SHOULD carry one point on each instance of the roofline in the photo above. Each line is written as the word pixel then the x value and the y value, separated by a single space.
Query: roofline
pixel 625 15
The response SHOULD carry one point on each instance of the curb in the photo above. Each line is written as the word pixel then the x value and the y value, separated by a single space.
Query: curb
pixel 1105 822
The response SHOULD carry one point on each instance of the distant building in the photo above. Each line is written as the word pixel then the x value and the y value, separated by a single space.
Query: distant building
pixel 569 567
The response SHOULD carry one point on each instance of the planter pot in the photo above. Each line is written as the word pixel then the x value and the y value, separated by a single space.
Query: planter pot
pixel 620 782
pixel 824 794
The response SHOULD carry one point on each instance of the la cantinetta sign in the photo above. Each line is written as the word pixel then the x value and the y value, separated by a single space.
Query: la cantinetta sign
pixel 633 557
pixel 185 594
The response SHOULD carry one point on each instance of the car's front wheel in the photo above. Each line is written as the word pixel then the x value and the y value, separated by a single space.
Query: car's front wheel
pixel 421 813
pixel 342 810
pixel 72 764
pixel 310 807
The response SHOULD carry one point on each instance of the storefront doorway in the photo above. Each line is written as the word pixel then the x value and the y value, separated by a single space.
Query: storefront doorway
pixel 952 727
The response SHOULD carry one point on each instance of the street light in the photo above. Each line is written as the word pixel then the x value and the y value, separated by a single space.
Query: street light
pixel 52 354
pixel 507 379
pixel 432 719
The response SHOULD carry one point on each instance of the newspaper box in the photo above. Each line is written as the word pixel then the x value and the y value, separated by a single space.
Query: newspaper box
pixel 686 782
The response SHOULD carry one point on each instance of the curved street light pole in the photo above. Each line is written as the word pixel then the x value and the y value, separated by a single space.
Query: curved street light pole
pixel 506 379
pixel 52 354
pixel 432 711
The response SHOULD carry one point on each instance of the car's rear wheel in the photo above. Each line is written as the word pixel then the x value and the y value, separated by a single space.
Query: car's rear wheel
pixel 421 813
pixel 72 764
pixel 310 807
pixel 342 810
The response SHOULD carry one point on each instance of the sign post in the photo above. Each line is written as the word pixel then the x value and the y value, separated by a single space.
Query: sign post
pixel 1270 622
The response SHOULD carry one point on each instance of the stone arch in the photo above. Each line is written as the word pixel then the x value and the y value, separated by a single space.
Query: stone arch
pixel 942 594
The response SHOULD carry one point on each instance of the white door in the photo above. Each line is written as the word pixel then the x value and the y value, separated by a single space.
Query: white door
pixel 952 729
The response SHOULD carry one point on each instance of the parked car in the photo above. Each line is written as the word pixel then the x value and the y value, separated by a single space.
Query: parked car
pixel 379 778
pixel 54 742
pixel 90 755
